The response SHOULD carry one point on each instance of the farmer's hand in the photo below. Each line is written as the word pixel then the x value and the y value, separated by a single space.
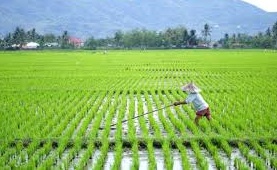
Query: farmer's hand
pixel 176 103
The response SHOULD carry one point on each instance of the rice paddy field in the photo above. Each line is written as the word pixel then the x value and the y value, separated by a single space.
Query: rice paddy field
pixel 57 110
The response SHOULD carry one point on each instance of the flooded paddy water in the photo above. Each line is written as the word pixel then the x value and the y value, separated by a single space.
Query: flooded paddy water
pixel 126 162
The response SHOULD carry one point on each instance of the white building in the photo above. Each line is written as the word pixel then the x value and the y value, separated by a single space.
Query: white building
pixel 31 45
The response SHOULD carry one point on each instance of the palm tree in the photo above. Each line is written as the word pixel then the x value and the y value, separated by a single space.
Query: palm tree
pixel 207 33
pixel 65 40
pixel 274 32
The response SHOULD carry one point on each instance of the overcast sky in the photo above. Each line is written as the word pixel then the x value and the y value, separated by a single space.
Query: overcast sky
pixel 267 5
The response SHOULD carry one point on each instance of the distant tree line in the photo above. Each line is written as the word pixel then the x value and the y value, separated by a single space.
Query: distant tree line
pixel 142 38
pixel 178 37
pixel 19 37
pixel 268 39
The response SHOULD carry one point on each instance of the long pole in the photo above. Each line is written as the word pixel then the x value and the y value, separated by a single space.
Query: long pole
pixel 140 115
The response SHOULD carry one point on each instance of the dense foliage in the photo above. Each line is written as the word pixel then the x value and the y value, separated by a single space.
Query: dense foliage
pixel 179 37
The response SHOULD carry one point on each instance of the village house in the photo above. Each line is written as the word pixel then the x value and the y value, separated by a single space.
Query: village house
pixel 77 42
pixel 30 45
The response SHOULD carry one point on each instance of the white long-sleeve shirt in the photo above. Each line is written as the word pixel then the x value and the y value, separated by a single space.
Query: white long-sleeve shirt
pixel 197 100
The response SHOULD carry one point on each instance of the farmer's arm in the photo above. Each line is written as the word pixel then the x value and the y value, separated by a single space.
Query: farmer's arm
pixel 188 100
pixel 178 103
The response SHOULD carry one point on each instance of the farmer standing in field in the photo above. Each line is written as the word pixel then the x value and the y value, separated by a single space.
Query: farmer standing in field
pixel 194 97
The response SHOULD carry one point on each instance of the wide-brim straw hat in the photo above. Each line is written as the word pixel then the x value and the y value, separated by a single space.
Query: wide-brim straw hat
pixel 190 88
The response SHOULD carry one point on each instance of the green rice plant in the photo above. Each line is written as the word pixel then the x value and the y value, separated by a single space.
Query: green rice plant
pixel 72 153
pixel 19 150
pixel 65 128
pixel 165 122
pixel 218 129
pixel 98 118
pixel 152 121
pixel 86 115
pixel 142 122
pixel 272 150
pixel 61 148
pixel 56 119
pixel 240 165
pixel 263 154
pixel 259 150
pixel 167 155
pixel 184 157
pixel 135 158
pixel 105 144
pixel 271 147
pixel 226 147
pixel 167 126
pixel 104 150
pixel 201 161
pixel 112 110
pixel 273 162
pixel 118 156
pixel 214 152
pixel 258 163
pixel 151 157
pixel 131 127
pixel 7 156
pixel 175 121
pixel 38 156
pixel 90 115
pixel 118 135
pixel 86 156
pixel 132 131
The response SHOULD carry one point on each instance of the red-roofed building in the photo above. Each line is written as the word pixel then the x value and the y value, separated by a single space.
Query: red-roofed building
pixel 77 42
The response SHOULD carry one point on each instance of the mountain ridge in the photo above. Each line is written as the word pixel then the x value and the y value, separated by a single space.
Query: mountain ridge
pixel 86 18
